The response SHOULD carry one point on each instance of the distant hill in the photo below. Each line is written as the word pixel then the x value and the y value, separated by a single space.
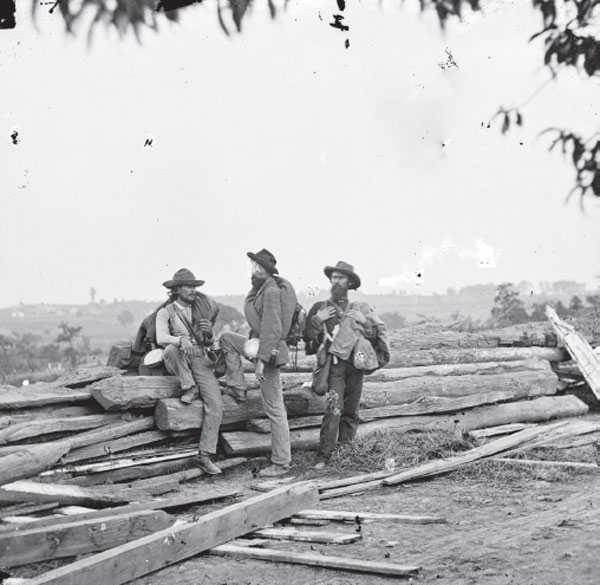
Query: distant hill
pixel 107 323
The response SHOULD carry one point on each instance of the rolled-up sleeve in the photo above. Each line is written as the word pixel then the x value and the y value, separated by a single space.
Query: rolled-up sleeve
pixel 163 335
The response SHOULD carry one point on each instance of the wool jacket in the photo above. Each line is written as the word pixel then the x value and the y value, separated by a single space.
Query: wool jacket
pixel 269 314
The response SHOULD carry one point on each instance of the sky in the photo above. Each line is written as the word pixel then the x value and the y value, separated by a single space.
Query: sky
pixel 281 138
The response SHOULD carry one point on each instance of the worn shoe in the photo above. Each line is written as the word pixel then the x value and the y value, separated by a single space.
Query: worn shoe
pixel 189 395
pixel 205 464
pixel 237 394
pixel 274 470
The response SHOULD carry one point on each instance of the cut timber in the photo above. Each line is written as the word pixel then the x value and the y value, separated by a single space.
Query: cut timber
pixel 30 491
pixel 30 461
pixel 499 430
pixel 173 503
pixel 40 395
pixel 115 446
pixel 411 390
pixel 263 425
pixel 543 463
pixel 166 547
pixel 115 431
pixel 340 516
pixel 55 411
pixel 469 369
pixel 85 375
pixel 403 359
pixel 21 547
pixel 431 337
pixel 580 350
pixel 313 560
pixel 317 536
pixel 172 415
pixel 125 392
pixel 539 409
pixel 34 428
pixel 520 439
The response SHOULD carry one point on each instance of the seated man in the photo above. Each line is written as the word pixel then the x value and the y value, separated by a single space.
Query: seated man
pixel 184 328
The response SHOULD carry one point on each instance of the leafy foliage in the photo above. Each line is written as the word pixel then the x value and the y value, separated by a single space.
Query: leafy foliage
pixel 508 308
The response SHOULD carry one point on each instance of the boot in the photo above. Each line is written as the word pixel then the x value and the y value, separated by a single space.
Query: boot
pixel 237 394
pixel 274 470
pixel 205 464
pixel 189 395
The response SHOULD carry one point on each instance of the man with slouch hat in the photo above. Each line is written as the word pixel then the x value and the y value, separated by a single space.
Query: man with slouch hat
pixel 269 310
pixel 184 327
pixel 337 329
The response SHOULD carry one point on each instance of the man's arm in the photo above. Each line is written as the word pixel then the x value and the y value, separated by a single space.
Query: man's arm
pixel 270 325
pixel 163 335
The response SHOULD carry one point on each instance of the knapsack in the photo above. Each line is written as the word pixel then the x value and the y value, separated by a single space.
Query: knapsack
pixel 297 327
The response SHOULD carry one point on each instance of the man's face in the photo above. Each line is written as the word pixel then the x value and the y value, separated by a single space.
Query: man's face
pixel 186 293
pixel 339 285
pixel 258 274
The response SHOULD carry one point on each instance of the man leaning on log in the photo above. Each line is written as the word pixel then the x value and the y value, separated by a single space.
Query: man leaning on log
pixel 349 340
pixel 184 328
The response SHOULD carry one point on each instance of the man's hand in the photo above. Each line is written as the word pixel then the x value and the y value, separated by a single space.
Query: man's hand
pixel 357 315
pixel 206 327
pixel 186 347
pixel 325 313
pixel 259 371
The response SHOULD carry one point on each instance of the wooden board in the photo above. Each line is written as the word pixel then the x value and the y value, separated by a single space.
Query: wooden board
pixel 341 516
pixel 544 463
pixel 21 547
pixel 539 409
pixel 34 428
pixel 30 461
pixel 316 536
pixel 581 351
pixel 40 395
pixel 172 415
pixel 315 560
pixel 403 359
pixel 126 392
pixel 166 547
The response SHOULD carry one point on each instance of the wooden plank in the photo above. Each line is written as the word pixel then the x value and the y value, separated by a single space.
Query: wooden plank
pixel 342 516
pixel 580 350
pixel 84 375
pixel 539 409
pixel 40 395
pixel 126 392
pixel 263 425
pixel 543 463
pixel 106 448
pixel 172 415
pixel 30 461
pixel 21 547
pixel 315 560
pixel 358 488
pixel 23 509
pixel 34 428
pixel 166 547
pixel 31 491
pixel 168 504
pixel 54 411
pixel 316 536
pixel 499 430
pixel 403 359
pixel 518 439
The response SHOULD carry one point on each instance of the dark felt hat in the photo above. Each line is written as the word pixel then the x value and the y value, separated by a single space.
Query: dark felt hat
pixel 265 259
pixel 183 277
pixel 344 268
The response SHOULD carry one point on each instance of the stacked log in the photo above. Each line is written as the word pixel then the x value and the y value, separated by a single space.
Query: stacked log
pixel 445 380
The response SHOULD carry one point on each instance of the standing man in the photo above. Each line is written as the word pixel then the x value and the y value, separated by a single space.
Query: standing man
pixel 269 309
pixel 337 324
pixel 184 327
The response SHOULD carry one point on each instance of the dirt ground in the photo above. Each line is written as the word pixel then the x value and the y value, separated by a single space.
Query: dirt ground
pixel 519 528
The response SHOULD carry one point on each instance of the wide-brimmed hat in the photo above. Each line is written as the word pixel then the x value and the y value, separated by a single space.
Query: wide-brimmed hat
pixel 183 277
pixel 265 259
pixel 344 268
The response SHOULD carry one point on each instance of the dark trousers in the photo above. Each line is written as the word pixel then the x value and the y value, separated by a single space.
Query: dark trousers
pixel 340 421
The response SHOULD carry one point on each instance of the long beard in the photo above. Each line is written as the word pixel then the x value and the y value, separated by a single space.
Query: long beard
pixel 338 292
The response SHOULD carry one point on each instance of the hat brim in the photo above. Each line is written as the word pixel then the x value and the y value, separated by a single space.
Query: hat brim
pixel 268 267
pixel 174 283
pixel 352 276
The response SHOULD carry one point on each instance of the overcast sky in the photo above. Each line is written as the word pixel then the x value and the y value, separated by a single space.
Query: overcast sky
pixel 282 138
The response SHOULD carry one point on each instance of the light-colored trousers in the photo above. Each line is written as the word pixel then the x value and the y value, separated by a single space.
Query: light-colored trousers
pixel 197 371
pixel 232 345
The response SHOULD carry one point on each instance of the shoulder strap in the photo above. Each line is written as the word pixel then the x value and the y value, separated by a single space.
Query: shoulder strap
pixel 187 324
